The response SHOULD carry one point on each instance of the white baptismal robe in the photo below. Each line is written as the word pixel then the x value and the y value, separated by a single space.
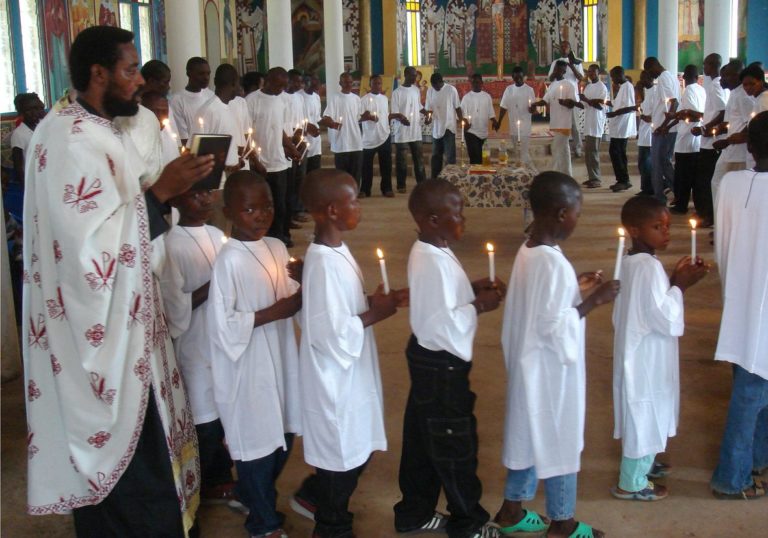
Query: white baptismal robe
pixel 190 254
pixel 543 342
pixel 97 341
pixel 647 318
pixel 342 403
pixel 255 370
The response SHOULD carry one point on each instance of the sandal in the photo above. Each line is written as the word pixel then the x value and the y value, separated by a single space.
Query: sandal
pixel 532 524
pixel 755 491
pixel 582 530
pixel 650 492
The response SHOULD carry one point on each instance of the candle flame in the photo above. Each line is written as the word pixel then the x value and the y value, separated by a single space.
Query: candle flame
pixel 258 149
pixel 518 122
pixel 621 232
pixel 173 135
pixel 224 238
pixel 693 223
pixel 291 259
pixel 250 130
pixel 165 122
pixel 379 253
pixel 200 121
pixel 489 247
pixel 253 144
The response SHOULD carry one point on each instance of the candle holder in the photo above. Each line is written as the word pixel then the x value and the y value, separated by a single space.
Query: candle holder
pixel 462 162
pixel 519 153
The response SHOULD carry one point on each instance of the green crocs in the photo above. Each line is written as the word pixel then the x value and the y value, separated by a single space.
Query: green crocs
pixel 582 531
pixel 532 524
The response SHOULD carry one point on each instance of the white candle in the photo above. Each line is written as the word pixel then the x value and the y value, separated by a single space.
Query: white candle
pixel 561 91
pixel 491 262
pixel 201 122
pixel 619 254
pixel 693 241
pixel 383 267
pixel 248 138
pixel 224 238
pixel 518 131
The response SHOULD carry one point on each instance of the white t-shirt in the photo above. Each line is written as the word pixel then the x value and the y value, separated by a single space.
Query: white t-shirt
pixel 667 87
pixel 569 76
pixel 644 129
pixel 313 107
pixel 218 119
pixel 717 99
pixel 443 104
pixel 560 117
pixel 738 112
pixel 479 106
pixel 297 113
pixel 349 108
pixel 694 97
pixel 517 101
pixel 407 101
pixel 268 116
pixel 20 137
pixel 594 118
pixel 183 108
pixel 624 125
pixel 239 109
pixel 375 133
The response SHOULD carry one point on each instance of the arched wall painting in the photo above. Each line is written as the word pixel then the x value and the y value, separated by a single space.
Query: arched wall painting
pixel 212 35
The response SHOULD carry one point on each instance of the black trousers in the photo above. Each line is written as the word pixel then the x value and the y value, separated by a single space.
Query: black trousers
pixel 686 169
pixel 439 444
pixel 351 162
pixel 143 503
pixel 313 163
pixel 384 151
pixel 474 148
pixel 278 184
pixel 296 177
pixel 215 463
pixel 332 491
pixel 617 150
pixel 702 192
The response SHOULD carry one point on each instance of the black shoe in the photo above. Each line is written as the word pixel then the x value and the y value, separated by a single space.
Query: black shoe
pixel 619 186
pixel 401 190
pixel 592 184
pixel 388 194
pixel 644 193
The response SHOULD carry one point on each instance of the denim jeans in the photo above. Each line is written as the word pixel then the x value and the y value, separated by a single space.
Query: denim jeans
pixel 256 489
pixel 439 444
pixel 633 474
pixel 745 440
pixel 401 169
pixel 559 490
pixel 384 151
pixel 443 147
pixel 644 166
pixel 662 171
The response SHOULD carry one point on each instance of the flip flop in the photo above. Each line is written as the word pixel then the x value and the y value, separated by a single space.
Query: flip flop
pixel 646 494
pixel 659 469
pixel 743 495
pixel 532 524
pixel 582 530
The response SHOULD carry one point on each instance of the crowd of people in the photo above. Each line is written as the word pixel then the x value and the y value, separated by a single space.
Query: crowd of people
pixel 161 353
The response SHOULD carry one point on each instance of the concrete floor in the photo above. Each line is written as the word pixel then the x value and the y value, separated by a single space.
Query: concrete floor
pixel 690 511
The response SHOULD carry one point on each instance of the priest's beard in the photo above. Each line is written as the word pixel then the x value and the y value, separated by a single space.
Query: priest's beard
pixel 115 106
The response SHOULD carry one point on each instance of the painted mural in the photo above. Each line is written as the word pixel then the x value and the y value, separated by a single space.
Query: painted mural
pixel 690 32
pixel 57 41
pixel 81 15
pixel 251 35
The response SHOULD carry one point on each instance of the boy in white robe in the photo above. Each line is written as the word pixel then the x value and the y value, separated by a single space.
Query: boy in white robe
pixel 342 402
pixel 648 319
pixel 254 359
pixel 543 343
pixel 444 309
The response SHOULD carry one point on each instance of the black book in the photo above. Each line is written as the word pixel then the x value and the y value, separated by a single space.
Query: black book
pixel 211 144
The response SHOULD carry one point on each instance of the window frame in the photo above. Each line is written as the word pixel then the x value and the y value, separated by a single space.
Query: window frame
pixel 17 55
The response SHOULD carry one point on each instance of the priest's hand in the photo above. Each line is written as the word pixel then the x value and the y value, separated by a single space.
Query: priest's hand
pixel 180 174
pixel 685 274
pixel 295 269
pixel 589 280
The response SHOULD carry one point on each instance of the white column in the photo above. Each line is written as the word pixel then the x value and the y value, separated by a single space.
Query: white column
pixel 11 356
pixel 668 34
pixel 717 25
pixel 279 34
pixel 184 32
pixel 333 28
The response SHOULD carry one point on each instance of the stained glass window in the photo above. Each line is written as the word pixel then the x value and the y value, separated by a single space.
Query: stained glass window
pixel 413 31
pixel 590 30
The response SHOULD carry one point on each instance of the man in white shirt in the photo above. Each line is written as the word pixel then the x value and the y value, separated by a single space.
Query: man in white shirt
pixel 644 95
pixel 753 81
pixel 376 140
pixel 687 145
pixel 622 127
pixel 574 73
pixel 476 104
pixel 31 110
pixel 517 99
pixel 560 98
pixel 406 111
pixel 714 112
pixel 185 103
pixel 297 130
pixel 742 225
pixel 594 100
pixel 157 103
pixel 311 96
pixel 443 107
pixel 665 103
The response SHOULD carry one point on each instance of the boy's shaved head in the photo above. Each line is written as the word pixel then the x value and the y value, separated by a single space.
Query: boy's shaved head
pixel 639 209
pixel 241 180
pixel 322 187
pixel 551 191
pixel 428 197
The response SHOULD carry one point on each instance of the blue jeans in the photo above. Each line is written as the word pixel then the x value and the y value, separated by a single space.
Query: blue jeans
pixel 745 440
pixel 560 491
pixel 662 171
pixel 401 168
pixel 443 146
pixel 644 166
pixel 256 489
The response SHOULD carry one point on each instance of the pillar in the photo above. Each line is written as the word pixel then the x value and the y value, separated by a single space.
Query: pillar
pixel 279 34
pixel 184 34
pixel 389 40
pixel 333 37
pixel 365 37
pixel 717 19
pixel 641 21
pixel 667 22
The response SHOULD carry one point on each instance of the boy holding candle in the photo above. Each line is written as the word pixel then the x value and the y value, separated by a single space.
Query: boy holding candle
pixel 622 126
pixel 594 101
pixel 254 361
pixel 342 402
pixel 377 140
pixel 444 109
pixel 440 430
pixel 477 104
pixel 517 99
pixel 560 98
pixel 543 344
pixel 648 319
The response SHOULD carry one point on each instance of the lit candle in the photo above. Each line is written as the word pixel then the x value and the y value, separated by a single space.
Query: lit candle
pixel 491 262
pixel 561 91
pixel 248 138
pixel 693 241
pixel 518 131
pixel 619 254
pixel 383 267
pixel 224 238
pixel 201 122
pixel 291 259
pixel 714 132
pixel 165 123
